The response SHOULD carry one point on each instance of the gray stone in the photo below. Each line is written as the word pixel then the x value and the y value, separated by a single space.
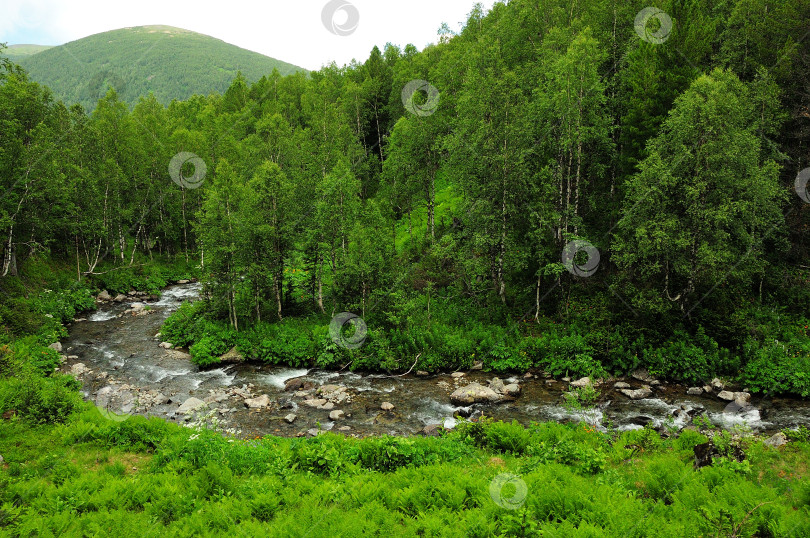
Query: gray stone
pixel 294 384
pixel 232 355
pixel 258 402
pixel 386 406
pixel 457 375
pixel 473 393
pixel 742 397
pixel 2 460
pixel 104 296
pixel 421 373
pixel 120 298
pixel 290 418
pixel 337 414
pixel 725 395
pixel 190 405
pixel 512 389
pixel 621 385
pixel 478 365
pixel 166 345
pixel 496 384
pixel 581 382
pixel 345 428
pixel 56 346
pixel 312 432
pixel 717 384
pixel 183 281
pixel 328 406
pixel 317 402
pixel 707 388
pixel 79 369
pixel 637 394
pixel 432 430
pixel 776 440
pixel 641 374
pixel 694 391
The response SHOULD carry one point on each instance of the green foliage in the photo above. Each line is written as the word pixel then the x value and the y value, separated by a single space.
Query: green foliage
pixel 176 66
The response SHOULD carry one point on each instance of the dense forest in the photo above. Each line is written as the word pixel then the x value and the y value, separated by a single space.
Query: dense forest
pixel 566 186
pixel 562 188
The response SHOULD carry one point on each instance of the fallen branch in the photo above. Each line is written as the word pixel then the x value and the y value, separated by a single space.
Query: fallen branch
pixel 411 368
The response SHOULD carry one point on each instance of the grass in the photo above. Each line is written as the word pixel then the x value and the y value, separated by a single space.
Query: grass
pixel 91 476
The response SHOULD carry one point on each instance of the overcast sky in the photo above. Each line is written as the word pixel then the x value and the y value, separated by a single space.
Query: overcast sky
pixel 293 30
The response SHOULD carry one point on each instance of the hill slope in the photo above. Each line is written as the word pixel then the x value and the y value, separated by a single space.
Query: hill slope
pixel 18 52
pixel 170 62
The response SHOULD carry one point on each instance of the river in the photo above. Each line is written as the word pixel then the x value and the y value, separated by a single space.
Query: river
pixel 122 368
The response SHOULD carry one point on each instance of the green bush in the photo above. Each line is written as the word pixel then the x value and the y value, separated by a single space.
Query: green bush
pixel 508 437
pixel 777 367
pixel 40 400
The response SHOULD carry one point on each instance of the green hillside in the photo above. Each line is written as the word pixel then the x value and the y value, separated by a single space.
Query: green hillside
pixel 18 52
pixel 170 62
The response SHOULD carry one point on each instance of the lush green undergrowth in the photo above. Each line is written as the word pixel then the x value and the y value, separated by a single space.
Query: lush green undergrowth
pixel 94 476
pixel 774 358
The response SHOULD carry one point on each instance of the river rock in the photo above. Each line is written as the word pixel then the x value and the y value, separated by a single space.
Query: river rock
pixel 314 432
pixel 344 428
pixel 294 384
pixel 707 388
pixel 183 281
pixel 79 369
pixel 258 402
pixel 474 393
pixel 717 384
pixel 432 430
pixel 57 346
pixel 137 306
pixel 2 460
pixel 166 345
pixel 742 397
pixel 637 394
pixel 421 373
pixel 104 296
pixel 725 395
pixel 232 355
pixel 457 375
pixel 621 385
pixel 496 384
pixel 478 365
pixel 776 440
pixel 315 402
pixel 337 414
pixel 190 405
pixel 386 406
pixel 328 406
pixel 120 298
pixel 694 391
pixel 161 399
pixel 581 382
pixel 290 418
pixel 512 389
pixel 641 374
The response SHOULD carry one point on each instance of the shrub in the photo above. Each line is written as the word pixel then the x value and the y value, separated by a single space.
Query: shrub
pixel 777 367
pixel 507 437
pixel 40 400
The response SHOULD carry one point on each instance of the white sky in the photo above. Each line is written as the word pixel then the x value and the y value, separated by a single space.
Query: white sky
pixel 289 30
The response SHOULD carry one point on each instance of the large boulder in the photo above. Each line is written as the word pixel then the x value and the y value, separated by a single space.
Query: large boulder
pixel 57 346
pixel 581 382
pixel 337 414
pixel 232 355
pixel 258 402
pixel 474 393
pixel 637 394
pixel 726 395
pixel 104 296
pixel 190 405
pixel 512 389
pixel 776 440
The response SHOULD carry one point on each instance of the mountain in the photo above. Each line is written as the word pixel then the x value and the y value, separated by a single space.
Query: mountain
pixel 18 52
pixel 170 62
